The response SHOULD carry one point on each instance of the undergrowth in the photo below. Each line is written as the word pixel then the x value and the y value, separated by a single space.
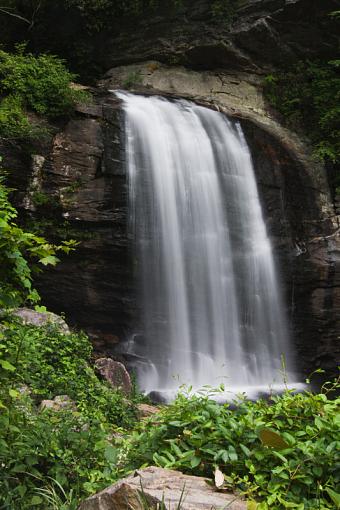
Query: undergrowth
pixel 308 97
pixel 43 453
pixel 281 453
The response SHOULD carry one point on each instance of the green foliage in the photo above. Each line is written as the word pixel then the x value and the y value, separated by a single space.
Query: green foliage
pixel 40 84
pixel 21 253
pixel 224 10
pixel 40 199
pixel 52 459
pixel 14 122
pixel 284 453
pixel 53 363
pixel 133 78
pixel 308 96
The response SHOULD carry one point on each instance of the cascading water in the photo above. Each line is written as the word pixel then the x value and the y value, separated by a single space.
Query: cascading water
pixel 212 310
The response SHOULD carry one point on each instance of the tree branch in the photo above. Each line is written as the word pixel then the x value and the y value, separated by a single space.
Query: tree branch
pixel 15 15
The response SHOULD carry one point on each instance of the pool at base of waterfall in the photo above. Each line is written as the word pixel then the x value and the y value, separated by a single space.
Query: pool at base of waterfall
pixel 230 395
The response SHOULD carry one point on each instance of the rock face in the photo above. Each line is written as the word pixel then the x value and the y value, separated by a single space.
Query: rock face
pixel 260 35
pixel 158 483
pixel 114 373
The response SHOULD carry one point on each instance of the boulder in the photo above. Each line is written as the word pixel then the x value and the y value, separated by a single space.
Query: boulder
pixel 146 410
pixel 195 493
pixel 114 373
pixel 58 403
pixel 34 318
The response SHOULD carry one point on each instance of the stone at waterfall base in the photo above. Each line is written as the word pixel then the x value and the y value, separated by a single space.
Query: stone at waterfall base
pixel 157 483
pixel 114 373
pixel 146 410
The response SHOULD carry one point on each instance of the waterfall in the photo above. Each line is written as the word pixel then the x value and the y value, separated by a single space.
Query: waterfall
pixel 211 306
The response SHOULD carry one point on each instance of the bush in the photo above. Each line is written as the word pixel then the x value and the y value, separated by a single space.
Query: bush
pixel 50 452
pixel 284 452
pixel 40 84
pixel 21 253
pixel 53 363
pixel 308 97
pixel 64 455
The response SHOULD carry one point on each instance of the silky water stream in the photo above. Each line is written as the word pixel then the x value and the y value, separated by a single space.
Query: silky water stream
pixel 212 310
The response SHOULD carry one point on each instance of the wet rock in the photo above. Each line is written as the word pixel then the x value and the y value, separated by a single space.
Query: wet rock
pixel 158 483
pixel 34 318
pixel 114 373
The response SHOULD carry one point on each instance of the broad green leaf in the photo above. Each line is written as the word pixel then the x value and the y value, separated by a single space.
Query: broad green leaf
pixel 6 365
pixel 36 500
pixel 111 454
pixel 195 461
pixel 49 260
pixel 272 439
pixel 252 505
pixel 335 497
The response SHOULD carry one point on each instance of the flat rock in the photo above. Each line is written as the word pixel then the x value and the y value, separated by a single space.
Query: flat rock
pixel 34 318
pixel 158 483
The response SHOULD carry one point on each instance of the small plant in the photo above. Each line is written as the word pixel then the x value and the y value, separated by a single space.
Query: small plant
pixel 224 10
pixel 40 199
pixel 133 78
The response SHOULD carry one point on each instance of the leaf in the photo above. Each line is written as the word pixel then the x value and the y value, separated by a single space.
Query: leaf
pixel 195 461
pixel 219 478
pixel 335 497
pixel 36 500
pixel 251 505
pixel 245 450
pixel 13 393
pixel 110 454
pixel 6 365
pixel 50 259
pixel 272 439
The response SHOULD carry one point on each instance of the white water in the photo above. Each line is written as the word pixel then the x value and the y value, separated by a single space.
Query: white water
pixel 212 310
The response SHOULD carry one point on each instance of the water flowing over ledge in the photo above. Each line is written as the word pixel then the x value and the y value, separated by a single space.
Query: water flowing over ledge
pixel 212 309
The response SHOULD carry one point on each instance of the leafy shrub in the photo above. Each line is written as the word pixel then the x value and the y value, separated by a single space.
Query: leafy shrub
pixel 45 451
pixel 308 97
pixel 62 455
pixel 40 84
pixel 19 250
pixel 14 122
pixel 53 363
pixel 195 434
